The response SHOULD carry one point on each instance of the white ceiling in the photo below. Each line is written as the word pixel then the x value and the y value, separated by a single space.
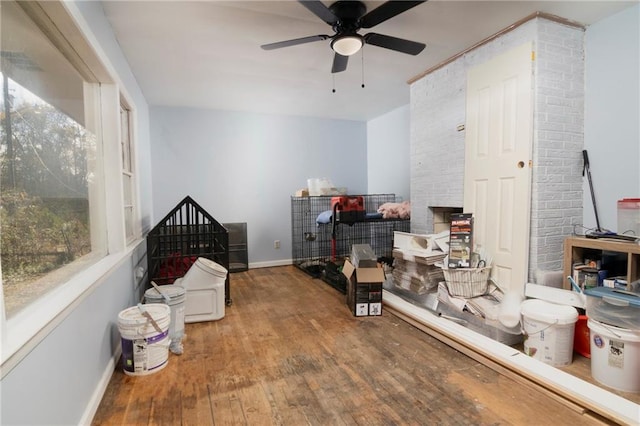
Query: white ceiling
pixel 206 54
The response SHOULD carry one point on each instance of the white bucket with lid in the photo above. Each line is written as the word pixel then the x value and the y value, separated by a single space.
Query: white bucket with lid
pixel 548 329
pixel 615 356
pixel 144 330
pixel 177 296
pixel 204 283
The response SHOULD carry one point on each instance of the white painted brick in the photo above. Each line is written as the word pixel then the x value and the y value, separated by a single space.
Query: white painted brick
pixel 438 106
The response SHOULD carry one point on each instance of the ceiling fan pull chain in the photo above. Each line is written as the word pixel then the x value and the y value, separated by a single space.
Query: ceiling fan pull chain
pixel 362 50
pixel 334 83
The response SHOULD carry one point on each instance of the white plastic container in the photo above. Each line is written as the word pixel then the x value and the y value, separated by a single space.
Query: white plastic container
pixel 319 186
pixel 204 284
pixel 145 345
pixel 629 216
pixel 615 356
pixel 549 329
pixel 177 295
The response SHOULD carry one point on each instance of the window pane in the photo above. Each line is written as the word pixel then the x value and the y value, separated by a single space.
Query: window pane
pixel 128 222
pixel 49 173
pixel 125 140
pixel 127 173
pixel 127 186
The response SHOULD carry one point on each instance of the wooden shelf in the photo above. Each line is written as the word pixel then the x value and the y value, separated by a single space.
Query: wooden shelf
pixel 574 248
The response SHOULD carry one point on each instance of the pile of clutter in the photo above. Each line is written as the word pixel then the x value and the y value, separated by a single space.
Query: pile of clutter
pixel 421 276
pixel 149 331
pixel 415 259
pixel 601 323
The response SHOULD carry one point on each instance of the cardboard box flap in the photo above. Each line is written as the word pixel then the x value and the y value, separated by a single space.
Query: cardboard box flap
pixel 347 269
pixel 369 275
pixel 363 275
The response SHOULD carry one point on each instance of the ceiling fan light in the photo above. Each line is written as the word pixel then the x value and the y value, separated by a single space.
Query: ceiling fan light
pixel 347 45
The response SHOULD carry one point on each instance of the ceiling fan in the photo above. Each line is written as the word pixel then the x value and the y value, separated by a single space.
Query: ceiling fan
pixel 347 18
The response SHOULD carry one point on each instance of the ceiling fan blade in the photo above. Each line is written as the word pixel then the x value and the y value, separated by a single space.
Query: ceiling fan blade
pixel 320 10
pixel 339 63
pixel 294 42
pixel 394 43
pixel 386 11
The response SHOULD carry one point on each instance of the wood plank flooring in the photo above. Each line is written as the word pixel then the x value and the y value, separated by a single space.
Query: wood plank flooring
pixel 289 352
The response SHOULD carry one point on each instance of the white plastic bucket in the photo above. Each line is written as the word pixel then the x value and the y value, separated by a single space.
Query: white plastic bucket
pixel 177 295
pixel 145 345
pixel 548 329
pixel 615 356
pixel 204 283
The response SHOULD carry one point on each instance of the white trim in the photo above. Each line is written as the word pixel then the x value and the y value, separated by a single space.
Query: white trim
pixel 110 115
pixel 599 400
pixel 98 393
pixel 270 263
pixel 32 325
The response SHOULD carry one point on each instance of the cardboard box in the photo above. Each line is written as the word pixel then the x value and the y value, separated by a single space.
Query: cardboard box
pixel 302 192
pixel 364 289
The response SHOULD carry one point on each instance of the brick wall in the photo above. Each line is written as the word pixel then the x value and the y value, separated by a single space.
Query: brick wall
pixel 437 108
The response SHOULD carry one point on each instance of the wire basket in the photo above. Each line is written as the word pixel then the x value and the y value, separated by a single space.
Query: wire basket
pixel 467 282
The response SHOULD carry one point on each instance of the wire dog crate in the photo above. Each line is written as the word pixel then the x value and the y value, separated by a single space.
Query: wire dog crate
pixel 312 242
pixel 184 234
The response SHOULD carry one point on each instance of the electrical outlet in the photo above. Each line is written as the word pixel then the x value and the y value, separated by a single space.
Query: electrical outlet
pixel 276 244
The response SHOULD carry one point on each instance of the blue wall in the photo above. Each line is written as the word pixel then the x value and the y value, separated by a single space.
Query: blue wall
pixel 388 165
pixel 612 111
pixel 244 167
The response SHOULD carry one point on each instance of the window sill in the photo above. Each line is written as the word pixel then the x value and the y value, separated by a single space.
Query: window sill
pixel 28 327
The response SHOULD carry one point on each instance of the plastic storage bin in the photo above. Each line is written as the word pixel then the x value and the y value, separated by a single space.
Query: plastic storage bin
pixel 615 307
pixel 629 216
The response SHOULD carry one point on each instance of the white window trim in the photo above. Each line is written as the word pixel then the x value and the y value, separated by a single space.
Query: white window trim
pixel 29 327
pixel 133 154
pixel 70 33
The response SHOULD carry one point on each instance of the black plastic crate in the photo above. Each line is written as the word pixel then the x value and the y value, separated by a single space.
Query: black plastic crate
pixel 334 277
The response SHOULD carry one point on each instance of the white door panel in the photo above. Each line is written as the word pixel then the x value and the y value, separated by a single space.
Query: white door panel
pixel 497 161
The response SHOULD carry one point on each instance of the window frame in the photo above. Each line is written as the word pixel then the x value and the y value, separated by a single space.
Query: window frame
pixel 63 24
pixel 128 143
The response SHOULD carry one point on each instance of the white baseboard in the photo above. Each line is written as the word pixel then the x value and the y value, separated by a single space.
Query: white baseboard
pixel 98 393
pixel 270 263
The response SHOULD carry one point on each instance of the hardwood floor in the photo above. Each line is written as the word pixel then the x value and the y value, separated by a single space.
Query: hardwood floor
pixel 289 352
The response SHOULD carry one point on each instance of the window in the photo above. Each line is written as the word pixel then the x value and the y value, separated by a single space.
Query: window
pixel 66 202
pixel 128 177
pixel 49 165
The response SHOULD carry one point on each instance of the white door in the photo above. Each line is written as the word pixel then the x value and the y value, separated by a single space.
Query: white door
pixel 497 181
